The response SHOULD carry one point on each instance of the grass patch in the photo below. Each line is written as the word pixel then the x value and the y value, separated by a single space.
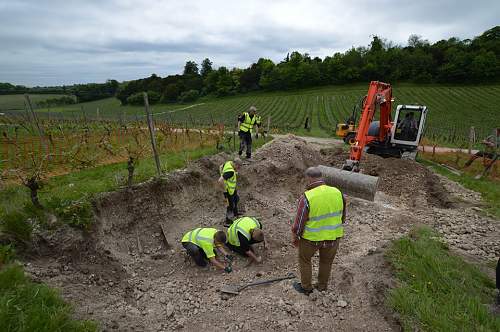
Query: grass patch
pixel 438 291
pixel 487 187
pixel 27 306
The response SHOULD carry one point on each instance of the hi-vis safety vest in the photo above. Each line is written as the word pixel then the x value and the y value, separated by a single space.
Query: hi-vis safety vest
pixel 325 214
pixel 242 225
pixel 248 123
pixel 229 184
pixel 203 238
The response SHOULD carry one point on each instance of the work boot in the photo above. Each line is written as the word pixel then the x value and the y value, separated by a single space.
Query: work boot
pixel 298 287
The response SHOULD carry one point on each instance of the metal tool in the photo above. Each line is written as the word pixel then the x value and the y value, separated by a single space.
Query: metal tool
pixel 236 289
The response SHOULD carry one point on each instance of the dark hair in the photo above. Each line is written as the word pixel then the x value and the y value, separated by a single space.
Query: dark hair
pixel 220 237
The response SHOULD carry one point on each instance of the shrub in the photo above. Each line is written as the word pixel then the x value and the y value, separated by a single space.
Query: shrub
pixel 74 213
pixel 188 96
pixel 138 98
pixel 16 224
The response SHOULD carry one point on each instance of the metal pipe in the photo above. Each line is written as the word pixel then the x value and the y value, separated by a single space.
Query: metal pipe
pixel 351 183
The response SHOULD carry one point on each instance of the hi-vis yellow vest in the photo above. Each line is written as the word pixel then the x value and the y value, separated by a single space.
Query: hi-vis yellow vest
pixel 203 238
pixel 229 184
pixel 242 225
pixel 248 123
pixel 325 214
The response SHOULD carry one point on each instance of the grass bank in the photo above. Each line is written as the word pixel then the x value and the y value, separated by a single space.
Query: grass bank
pixel 28 306
pixel 438 291
pixel 488 187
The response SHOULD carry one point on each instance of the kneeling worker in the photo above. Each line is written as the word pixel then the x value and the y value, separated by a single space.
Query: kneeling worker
pixel 242 234
pixel 201 243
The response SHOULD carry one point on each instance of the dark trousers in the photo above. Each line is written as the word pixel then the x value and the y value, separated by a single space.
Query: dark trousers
pixel 198 255
pixel 245 141
pixel 238 249
pixel 232 203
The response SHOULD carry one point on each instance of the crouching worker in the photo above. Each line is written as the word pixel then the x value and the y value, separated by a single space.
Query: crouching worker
pixel 201 243
pixel 242 234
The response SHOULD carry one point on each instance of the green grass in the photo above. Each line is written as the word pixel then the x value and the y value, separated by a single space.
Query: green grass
pixel 438 291
pixel 489 189
pixel 16 102
pixel 453 109
pixel 27 306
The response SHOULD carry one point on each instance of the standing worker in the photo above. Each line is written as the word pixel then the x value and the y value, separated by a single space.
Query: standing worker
pixel 318 226
pixel 244 232
pixel 201 243
pixel 228 174
pixel 245 124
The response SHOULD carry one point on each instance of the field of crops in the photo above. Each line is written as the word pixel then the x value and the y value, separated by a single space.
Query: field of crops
pixel 16 102
pixel 453 109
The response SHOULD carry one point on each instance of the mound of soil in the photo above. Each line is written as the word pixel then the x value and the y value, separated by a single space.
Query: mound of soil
pixel 126 275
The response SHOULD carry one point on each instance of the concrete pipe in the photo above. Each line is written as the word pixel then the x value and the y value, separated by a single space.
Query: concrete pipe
pixel 351 183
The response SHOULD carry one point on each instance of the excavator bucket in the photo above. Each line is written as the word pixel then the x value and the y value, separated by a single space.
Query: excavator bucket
pixel 351 183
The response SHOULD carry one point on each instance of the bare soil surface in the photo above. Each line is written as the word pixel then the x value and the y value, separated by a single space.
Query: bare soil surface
pixel 123 275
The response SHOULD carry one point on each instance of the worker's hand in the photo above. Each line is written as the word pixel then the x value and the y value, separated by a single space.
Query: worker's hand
pixel 228 269
pixel 258 259
pixel 230 258
pixel 295 240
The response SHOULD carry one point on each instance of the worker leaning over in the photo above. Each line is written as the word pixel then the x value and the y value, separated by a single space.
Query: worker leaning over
pixel 318 226
pixel 246 122
pixel 244 232
pixel 201 243
pixel 228 181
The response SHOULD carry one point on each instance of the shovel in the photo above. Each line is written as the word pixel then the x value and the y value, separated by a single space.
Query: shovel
pixel 236 289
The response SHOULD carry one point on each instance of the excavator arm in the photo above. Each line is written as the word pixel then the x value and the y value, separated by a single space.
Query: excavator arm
pixel 379 94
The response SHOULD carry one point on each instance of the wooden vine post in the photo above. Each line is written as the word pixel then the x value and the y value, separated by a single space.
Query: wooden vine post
pixel 152 133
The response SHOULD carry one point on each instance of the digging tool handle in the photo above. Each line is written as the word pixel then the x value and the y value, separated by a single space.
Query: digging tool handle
pixel 266 282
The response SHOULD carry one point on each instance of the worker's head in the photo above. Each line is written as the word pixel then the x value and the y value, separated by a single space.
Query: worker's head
pixel 252 110
pixel 313 174
pixel 257 234
pixel 237 163
pixel 220 238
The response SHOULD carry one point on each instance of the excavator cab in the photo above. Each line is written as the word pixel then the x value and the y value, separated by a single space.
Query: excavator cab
pixel 409 124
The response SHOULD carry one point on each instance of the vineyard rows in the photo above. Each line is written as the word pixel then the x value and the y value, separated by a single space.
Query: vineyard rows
pixel 452 110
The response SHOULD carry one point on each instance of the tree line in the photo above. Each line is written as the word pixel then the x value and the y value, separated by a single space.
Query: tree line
pixel 446 61
pixel 82 92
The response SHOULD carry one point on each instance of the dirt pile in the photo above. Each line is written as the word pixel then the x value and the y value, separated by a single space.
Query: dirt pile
pixel 126 277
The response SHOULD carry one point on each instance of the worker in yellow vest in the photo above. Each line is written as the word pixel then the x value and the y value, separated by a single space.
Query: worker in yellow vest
pixel 318 226
pixel 244 232
pixel 246 123
pixel 228 182
pixel 201 244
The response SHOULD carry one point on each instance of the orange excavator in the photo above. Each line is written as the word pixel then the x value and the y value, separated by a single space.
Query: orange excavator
pixel 388 137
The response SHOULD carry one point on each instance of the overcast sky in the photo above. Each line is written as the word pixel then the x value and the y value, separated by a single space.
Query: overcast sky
pixel 55 42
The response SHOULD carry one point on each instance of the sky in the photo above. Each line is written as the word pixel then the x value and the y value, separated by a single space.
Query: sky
pixel 55 42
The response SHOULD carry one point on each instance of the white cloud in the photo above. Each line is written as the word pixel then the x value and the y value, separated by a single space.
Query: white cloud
pixel 56 42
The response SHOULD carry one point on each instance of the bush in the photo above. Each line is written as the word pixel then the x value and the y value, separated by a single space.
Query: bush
pixel 7 254
pixel 138 98
pixel 16 224
pixel 189 96
pixel 74 213
pixel 27 306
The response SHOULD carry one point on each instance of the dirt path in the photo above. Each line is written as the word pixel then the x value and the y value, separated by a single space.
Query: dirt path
pixel 122 275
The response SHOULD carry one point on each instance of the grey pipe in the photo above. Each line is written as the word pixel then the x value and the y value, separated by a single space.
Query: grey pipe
pixel 351 183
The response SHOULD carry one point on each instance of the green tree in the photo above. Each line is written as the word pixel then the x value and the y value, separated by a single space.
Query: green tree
pixel 190 68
